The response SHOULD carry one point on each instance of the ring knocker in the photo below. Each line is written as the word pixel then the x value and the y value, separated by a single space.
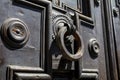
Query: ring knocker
pixel 66 54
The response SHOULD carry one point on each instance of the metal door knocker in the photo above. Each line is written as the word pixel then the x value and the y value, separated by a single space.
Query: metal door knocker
pixel 80 48
pixel 64 30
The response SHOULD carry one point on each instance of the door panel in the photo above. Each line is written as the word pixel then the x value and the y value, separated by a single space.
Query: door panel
pixel 23 47
pixel 86 17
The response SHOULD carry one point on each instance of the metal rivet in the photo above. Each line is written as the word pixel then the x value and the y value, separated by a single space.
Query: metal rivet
pixel 115 12
pixel 97 2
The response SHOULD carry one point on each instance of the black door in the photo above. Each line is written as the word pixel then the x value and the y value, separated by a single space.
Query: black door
pixel 115 11
pixel 57 40
pixel 23 44
pixel 77 40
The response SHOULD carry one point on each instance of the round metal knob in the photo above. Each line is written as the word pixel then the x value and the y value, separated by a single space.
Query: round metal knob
pixel 14 33
pixel 94 47
pixel 17 31
pixel 80 47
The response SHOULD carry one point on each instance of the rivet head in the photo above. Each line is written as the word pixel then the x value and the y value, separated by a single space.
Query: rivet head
pixel 97 2
pixel 115 14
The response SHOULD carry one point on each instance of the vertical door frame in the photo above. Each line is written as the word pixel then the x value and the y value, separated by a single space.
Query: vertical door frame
pixel 109 43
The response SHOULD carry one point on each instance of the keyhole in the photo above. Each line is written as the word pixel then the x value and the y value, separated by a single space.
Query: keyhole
pixel 18 31
pixel 96 47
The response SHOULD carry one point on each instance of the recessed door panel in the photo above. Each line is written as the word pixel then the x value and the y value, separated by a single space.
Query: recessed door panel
pixel 23 39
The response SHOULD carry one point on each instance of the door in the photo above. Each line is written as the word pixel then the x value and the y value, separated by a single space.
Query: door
pixel 23 44
pixel 77 40
pixel 55 40
pixel 115 11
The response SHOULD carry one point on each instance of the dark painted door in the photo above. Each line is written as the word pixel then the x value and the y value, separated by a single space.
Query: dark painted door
pixel 56 40
pixel 78 56
pixel 23 43
pixel 115 12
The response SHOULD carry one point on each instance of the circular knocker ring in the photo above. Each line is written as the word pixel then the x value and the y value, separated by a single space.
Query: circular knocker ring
pixel 66 54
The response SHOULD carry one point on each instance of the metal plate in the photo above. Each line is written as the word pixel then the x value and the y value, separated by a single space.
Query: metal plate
pixel 36 15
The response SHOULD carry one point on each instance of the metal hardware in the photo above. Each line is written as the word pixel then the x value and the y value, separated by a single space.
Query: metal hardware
pixel 17 31
pixel 97 2
pixel 115 12
pixel 61 44
pixel 60 21
pixel 66 33
pixel 14 33
pixel 94 47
